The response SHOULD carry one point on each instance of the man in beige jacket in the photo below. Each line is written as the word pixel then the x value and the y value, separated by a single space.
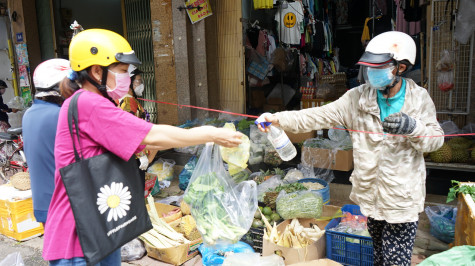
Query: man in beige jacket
pixel 388 181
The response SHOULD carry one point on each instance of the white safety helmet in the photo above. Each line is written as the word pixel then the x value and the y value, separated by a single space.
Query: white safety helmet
pixel 388 47
pixel 47 76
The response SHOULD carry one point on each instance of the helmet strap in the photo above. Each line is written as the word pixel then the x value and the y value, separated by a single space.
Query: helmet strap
pixel 397 78
pixel 102 87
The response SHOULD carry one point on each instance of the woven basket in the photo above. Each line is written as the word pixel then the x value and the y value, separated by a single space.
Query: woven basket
pixel 21 181
pixel 338 81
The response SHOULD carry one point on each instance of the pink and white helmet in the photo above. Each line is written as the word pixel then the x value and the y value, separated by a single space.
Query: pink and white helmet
pixel 48 74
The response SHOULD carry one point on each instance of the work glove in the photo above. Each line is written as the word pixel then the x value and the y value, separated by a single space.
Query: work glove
pixel 399 123
pixel 143 162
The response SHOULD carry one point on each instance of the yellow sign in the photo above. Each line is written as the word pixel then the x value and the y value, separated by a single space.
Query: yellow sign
pixel 289 20
pixel 201 9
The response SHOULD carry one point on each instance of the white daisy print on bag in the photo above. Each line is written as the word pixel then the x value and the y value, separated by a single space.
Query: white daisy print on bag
pixel 116 198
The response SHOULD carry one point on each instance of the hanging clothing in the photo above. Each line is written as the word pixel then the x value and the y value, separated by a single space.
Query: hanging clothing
pixel 253 37
pixel 412 11
pixel 328 38
pixel 289 23
pixel 381 6
pixel 318 38
pixel 365 36
pixel 411 28
pixel 262 43
pixel 263 4
pixel 381 24
pixel 271 48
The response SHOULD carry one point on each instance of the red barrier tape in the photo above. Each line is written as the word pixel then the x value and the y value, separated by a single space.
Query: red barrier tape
pixel 350 130
pixel 201 108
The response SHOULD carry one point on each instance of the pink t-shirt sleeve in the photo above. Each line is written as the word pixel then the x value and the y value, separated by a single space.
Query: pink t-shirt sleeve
pixel 117 131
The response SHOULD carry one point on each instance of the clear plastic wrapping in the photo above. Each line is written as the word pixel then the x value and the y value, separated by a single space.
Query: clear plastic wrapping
pixel 300 204
pixel 133 250
pixel 223 212
pixel 236 157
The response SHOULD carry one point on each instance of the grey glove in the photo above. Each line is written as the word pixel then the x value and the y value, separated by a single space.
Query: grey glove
pixel 399 123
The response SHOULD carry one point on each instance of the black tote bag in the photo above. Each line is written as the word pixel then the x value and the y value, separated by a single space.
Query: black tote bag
pixel 106 196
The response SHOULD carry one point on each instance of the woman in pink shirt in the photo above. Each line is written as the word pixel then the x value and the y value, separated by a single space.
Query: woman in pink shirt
pixel 100 60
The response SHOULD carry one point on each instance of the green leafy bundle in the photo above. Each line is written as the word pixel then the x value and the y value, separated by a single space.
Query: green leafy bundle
pixel 300 204
pixel 212 220
pixel 456 189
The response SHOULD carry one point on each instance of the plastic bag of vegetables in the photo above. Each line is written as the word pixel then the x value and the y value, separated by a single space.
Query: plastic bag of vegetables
pixel 300 204
pixel 442 222
pixel 223 212
pixel 236 157
pixel 163 168
pixel 186 173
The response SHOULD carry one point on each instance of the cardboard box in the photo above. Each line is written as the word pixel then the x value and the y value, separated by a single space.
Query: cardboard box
pixel 174 255
pixel 300 137
pixel 320 262
pixel 465 222
pixel 295 255
pixel 17 220
pixel 342 161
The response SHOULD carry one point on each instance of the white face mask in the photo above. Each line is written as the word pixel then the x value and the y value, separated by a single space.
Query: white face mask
pixel 139 90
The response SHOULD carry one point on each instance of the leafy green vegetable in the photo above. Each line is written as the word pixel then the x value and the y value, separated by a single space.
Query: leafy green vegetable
pixel 212 218
pixel 244 124
pixel 289 188
pixel 456 188
pixel 241 176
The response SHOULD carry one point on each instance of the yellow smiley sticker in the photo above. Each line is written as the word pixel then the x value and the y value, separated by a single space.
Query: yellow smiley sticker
pixel 289 20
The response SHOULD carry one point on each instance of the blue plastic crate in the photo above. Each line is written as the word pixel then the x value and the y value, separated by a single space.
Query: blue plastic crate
pixel 348 249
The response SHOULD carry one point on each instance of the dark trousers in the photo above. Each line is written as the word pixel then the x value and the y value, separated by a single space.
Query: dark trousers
pixel 392 243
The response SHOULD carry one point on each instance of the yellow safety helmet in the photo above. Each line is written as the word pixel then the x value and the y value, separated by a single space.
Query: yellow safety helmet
pixel 100 47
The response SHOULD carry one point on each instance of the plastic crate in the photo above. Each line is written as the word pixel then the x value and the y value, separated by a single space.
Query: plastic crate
pixel 254 237
pixel 348 249
pixel 257 234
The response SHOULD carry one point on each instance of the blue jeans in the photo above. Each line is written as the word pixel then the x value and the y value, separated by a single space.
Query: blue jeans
pixel 113 259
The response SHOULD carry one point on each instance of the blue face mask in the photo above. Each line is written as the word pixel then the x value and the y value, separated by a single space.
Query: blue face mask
pixel 379 78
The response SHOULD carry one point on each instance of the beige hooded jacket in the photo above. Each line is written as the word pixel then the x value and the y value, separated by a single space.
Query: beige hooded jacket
pixel 388 181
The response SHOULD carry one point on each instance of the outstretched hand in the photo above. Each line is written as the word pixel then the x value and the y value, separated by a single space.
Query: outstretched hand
pixel 226 137
pixel 399 123
pixel 268 117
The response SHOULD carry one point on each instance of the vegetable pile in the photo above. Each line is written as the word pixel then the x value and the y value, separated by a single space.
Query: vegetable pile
pixel 300 204
pixel 162 235
pixel 464 189
pixel 294 234
pixel 270 197
pixel 265 213
pixel 212 218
